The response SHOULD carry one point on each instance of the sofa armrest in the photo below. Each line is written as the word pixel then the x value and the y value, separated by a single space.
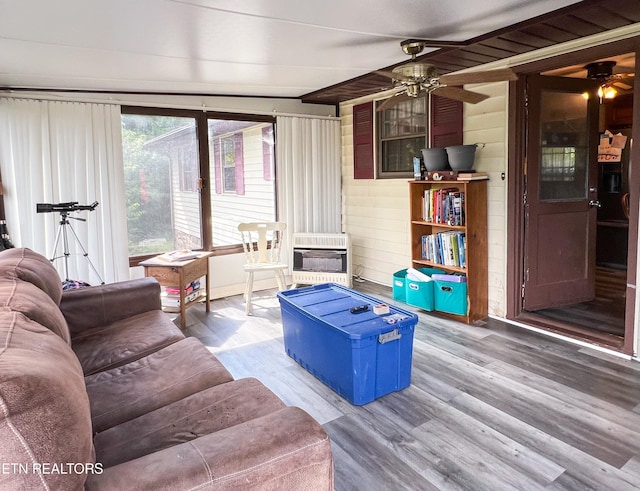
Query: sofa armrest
pixel 96 306
pixel 286 449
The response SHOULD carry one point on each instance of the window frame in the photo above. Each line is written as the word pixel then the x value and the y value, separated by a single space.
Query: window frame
pixel 380 140
pixel 201 120
pixel 228 161
pixel 186 180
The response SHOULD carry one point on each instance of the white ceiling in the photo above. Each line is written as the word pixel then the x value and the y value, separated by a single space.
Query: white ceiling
pixel 282 48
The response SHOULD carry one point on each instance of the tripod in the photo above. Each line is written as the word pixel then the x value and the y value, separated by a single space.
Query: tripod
pixel 62 232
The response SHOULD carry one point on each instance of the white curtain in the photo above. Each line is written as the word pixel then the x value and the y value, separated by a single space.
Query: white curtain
pixel 55 152
pixel 309 174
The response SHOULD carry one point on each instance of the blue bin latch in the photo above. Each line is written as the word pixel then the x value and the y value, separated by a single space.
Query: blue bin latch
pixel 389 336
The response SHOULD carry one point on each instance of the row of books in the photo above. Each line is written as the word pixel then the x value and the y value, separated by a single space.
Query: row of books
pixel 444 205
pixel 446 248
pixel 171 295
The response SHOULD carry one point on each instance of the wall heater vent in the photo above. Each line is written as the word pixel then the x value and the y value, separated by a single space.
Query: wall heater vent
pixel 321 258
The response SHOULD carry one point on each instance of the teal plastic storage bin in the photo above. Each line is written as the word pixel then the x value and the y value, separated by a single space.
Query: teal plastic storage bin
pixel 421 293
pixel 399 284
pixel 451 297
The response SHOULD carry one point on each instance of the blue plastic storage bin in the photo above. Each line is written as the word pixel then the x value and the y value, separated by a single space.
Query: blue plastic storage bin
pixel 362 356
pixel 451 297
pixel 421 293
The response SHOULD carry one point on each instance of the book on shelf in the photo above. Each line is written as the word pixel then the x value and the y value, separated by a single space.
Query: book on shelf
pixel 446 248
pixel 444 206
pixel 169 300
pixel 175 290
pixel 178 255
pixel 472 176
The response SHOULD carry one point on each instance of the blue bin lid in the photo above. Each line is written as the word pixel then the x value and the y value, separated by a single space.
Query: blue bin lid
pixel 332 303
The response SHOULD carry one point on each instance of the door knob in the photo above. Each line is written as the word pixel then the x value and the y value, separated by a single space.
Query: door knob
pixel 595 204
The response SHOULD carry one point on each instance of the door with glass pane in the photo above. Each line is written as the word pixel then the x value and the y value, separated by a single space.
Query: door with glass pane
pixel 561 197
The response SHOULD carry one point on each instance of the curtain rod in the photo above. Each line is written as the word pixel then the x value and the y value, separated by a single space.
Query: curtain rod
pixel 111 100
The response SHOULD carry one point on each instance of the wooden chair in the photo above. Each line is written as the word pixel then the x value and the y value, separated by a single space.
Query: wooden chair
pixel 625 205
pixel 262 243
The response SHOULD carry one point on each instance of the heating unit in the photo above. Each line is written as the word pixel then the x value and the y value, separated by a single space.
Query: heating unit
pixel 321 258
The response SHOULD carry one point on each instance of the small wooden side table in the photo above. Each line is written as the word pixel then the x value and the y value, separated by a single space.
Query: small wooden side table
pixel 180 274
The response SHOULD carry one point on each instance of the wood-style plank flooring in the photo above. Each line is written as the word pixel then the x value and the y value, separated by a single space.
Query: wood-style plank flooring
pixel 490 407
pixel 604 314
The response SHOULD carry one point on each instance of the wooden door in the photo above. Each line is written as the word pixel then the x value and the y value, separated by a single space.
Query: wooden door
pixel 560 193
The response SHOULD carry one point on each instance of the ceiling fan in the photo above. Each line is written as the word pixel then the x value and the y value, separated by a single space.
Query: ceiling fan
pixel 416 78
pixel 602 71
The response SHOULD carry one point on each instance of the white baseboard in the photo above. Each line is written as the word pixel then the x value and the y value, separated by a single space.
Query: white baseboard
pixel 238 289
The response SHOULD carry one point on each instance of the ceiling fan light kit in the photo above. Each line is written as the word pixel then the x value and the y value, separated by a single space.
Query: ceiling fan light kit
pixel 415 78
pixel 609 83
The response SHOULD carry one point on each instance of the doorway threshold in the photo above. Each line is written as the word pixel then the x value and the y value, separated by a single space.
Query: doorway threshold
pixel 571 332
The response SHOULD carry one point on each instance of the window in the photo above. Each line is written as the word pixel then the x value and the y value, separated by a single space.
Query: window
pixel 564 146
pixel 228 165
pixel 558 164
pixel 192 177
pixel 267 153
pixel 188 167
pixel 228 160
pixel 160 155
pixel 240 190
pixel 402 134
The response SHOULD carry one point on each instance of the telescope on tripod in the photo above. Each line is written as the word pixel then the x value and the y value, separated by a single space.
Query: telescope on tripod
pixel 64 226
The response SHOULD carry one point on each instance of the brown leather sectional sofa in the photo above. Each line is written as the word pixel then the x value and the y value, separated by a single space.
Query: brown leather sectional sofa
pixel 100 390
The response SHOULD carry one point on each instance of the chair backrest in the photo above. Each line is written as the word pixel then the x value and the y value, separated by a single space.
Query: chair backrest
pixel 262 241
pixel 625 205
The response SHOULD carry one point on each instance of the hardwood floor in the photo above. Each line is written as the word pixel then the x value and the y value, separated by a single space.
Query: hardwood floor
pixel 490 407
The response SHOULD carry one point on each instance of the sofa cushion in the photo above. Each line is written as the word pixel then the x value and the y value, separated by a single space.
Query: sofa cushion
pixel 205 412
pixel 286 449
pixel 29 300
pixel 124 341
pixel 168 375
pixel 32 267
pixel 100 305
pixel 44 409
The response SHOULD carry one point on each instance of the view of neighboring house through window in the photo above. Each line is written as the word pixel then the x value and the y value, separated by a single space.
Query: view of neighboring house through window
pixel 242 191
pixel 184 193
pixel 160 164
pixel 229 164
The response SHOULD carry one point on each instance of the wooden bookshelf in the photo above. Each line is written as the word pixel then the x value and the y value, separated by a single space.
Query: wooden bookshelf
pixel 475 229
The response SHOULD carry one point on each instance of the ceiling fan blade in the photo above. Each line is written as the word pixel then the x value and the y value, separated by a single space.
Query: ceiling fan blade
pixel 499 75
pixel 435 43
pixel 621 85
pixel 394 76
pixel 393 100
pixel 459 94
